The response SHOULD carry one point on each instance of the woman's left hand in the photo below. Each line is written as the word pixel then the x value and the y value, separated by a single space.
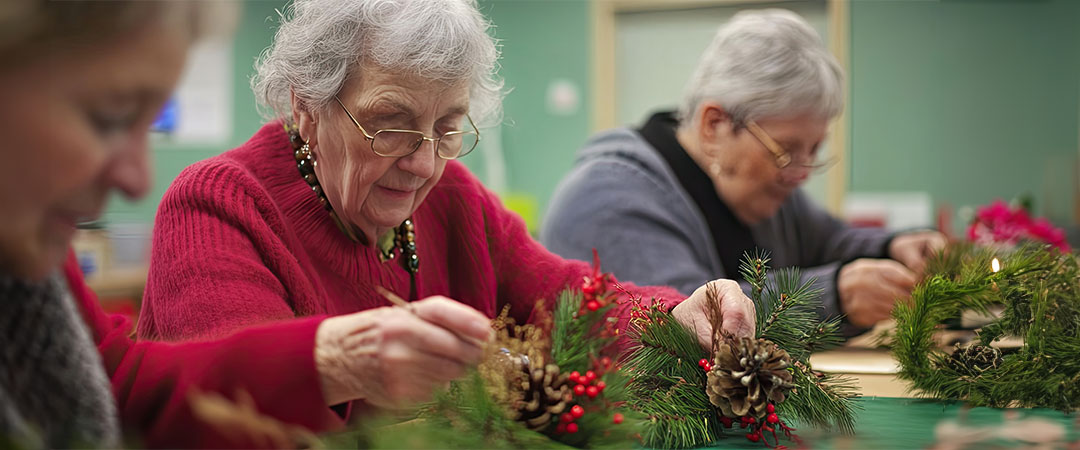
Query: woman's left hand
pixel 914 249
pixel 736 309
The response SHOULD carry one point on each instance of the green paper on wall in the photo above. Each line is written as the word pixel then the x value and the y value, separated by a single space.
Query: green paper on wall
pixel 525 205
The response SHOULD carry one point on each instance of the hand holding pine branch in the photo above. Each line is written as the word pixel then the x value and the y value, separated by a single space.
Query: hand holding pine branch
pixel 735 310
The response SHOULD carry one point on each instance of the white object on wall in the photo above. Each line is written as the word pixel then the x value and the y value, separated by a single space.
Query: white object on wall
pixel 204 97
pixel 894 210
pixel 563 97
pixel 205 94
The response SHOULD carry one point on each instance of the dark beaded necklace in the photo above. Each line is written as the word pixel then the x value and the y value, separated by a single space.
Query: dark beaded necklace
pixel 404 237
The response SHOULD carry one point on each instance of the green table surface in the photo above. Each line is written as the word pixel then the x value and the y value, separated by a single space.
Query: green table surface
pixel 906 423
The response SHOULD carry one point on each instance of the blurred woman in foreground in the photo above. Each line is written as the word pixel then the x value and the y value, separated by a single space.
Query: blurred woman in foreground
pixel 82 84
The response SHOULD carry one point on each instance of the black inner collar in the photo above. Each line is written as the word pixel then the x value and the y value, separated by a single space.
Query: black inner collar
pixel 731 237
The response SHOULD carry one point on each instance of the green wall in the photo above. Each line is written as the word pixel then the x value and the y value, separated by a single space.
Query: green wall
pixel 542 40
pixel 968 100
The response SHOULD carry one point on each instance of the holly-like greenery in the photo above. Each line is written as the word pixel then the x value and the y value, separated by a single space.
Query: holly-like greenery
pixel 668 386
pixel 1039 288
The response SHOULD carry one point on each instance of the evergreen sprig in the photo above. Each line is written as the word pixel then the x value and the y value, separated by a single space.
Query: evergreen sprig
pixel 786 316
pixel 668 386
pixel 464 416
pixel 1039 289
pixel 575 339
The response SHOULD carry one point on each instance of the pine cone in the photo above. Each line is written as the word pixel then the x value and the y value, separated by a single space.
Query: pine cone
pixel 545 394
pixel 974 359
pixel 746 375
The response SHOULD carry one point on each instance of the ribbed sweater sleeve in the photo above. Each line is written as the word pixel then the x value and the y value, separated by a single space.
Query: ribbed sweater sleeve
pixel 527 271
pixel 153 381
pixel 217 260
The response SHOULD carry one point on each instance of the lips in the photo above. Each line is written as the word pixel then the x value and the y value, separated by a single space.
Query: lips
pixel 69 218
pixel 399 189
pixel 402 189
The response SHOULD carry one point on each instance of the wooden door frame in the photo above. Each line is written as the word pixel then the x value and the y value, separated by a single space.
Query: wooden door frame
pixel 603 71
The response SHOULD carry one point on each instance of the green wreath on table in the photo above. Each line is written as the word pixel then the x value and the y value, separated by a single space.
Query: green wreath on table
pixel 1039 290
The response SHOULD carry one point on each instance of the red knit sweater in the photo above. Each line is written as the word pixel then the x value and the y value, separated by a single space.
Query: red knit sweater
pixel 240 239
pixel 152 380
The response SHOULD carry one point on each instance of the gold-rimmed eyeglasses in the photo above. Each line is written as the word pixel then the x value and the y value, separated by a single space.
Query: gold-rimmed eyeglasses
pixel 394 143
pixel 784 158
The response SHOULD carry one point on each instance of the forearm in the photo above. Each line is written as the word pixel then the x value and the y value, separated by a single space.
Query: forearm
pixel 274 364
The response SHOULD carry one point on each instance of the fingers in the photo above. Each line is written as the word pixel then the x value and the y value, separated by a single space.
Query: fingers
pixel 936 241
pixel 914 249
pixel 456 317
pixel 869 314
pixel 411 376
pixel 736 308
pixel 433 339
pixel 869 289
pixel 897 274
pixel 391 356
pixel 396 325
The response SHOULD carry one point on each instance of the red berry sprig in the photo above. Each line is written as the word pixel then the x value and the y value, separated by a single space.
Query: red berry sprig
pixel 755 430
pixel 705 365
pixel 595 287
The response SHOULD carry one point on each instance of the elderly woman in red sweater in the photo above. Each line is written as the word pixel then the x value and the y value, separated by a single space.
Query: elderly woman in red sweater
pixel 75 129
pixel 353 186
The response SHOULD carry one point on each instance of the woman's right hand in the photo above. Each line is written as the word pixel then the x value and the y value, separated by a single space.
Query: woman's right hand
pixel 392 357
pixel 868 289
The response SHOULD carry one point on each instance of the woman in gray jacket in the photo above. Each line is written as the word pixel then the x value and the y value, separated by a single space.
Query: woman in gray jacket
pixel 722 177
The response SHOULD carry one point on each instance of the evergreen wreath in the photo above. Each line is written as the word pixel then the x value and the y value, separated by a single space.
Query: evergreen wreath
pixel 1039 288
pixel 687 394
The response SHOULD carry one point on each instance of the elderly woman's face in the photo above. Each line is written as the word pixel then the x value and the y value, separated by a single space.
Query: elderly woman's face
pixel 373 192
pixel 749 180
pixel 75 124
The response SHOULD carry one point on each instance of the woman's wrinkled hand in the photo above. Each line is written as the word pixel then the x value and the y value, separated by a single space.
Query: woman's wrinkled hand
pixel 916 248
pixel 393 357
pixel 736 309
pixel 869 288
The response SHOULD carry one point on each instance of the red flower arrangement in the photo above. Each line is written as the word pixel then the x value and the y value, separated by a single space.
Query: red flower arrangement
pixel 998 224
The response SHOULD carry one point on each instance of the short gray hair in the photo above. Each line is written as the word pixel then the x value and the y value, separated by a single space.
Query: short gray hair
pixel 766 63
pixel 321 42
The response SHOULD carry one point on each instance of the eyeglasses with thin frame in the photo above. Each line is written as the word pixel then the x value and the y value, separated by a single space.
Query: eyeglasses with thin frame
pixel 781 156
pixel 394 143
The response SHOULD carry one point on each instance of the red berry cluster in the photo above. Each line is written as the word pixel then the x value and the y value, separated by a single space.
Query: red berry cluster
pixel 705 365
pixel 595 286
pixel 566 420
pixel 756 430
pixel 586 384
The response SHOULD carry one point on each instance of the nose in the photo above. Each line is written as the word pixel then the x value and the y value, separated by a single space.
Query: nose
pixel 421 162
pixel 129 168
pixel 794 176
